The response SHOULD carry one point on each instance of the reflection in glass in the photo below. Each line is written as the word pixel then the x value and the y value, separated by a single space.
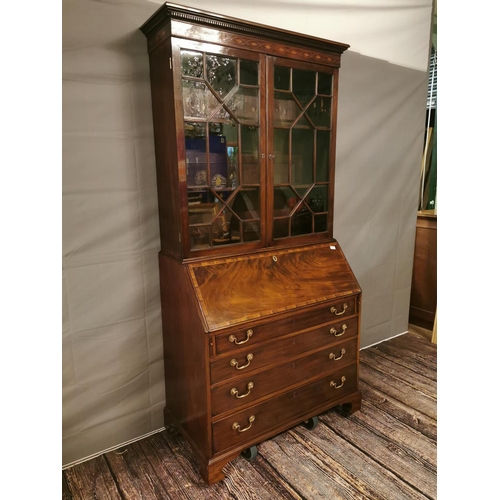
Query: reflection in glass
pixel 281 78
pixel 199 102
pixel 302 156
pixel 244 105
pixel 249 72
pixel 221 73
pixel 192 63
pixel 317 198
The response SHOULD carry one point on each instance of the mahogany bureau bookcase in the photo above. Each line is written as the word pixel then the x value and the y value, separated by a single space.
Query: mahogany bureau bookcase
pixel 260 308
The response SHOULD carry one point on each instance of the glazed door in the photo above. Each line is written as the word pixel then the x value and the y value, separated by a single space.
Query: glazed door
pixel 222 102
pixel 301 131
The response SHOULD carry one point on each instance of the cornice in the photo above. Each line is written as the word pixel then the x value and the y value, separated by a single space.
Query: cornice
pixel 168 12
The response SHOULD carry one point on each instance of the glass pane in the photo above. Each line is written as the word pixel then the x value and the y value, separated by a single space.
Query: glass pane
pixel 284 200
pixel 302 222
pixel 281 140
pixel 320 225
pixel 244 104
pixel 217 149
pixel 221 73
pixel 193 129
pixel 245 206
pixel 192 63
pixel 250 231
pixel 317 198
pixel 304 85
pixel 196 161
pixel 322 155
pixel 249 72
pixel 281 228
pixel 220 230
pixel 199 102
pixel 324 84
pixel 302 156
pixel 285 109
pixel 319 111
pixel 281 78
pixel 250 153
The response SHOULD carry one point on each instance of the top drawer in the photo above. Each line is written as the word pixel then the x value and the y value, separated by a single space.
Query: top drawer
pixel 246 337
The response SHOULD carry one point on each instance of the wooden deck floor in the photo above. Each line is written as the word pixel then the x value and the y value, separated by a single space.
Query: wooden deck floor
pixel 385 451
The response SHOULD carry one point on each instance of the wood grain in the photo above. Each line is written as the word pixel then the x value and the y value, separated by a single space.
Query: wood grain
pixel 92 480
pixel 238 289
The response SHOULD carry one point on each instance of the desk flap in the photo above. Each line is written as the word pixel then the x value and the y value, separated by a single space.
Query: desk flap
pixel 238 289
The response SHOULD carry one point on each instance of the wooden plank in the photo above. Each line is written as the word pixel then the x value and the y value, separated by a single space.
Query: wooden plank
pixel 354 465
pixel 398 390
pixel 245 482
pixel 243 479
pixel 412 356
pixel 310 472
pixel 66 494
pixel 400 411
pixel 423 370
pixel 91 480
pixel 134 475
pixel 406 375
pixel 416 342
pixel 172 459
pixel 387 452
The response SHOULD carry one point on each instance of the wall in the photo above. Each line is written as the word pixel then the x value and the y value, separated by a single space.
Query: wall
pixel 112 351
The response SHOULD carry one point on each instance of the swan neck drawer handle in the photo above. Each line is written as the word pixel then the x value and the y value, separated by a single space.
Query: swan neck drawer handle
pixel 237 427
pixel 234 391
pixel 333 383
pixel 333 310
pixel 337 334
pixel 232 338
pixel 234 363
pixel 332 355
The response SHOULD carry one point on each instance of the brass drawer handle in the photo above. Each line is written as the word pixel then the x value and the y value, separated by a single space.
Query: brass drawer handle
pixel 232 338
pixel 332 356
pixel 337 334
pixel 234 391
pixel 236 425
pixel 333 384
pixel 234 363
pixel 333 310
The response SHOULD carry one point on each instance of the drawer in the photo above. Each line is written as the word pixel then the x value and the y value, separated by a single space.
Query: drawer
pixel 280 350
pixel 253 387
pixel 248 424
pixel 294 322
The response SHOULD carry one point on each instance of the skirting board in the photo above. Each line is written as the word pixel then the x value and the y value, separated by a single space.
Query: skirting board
pixel 90 457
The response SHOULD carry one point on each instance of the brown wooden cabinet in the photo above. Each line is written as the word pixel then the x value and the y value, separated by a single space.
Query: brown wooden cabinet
pixel 423 300
pixel 260 307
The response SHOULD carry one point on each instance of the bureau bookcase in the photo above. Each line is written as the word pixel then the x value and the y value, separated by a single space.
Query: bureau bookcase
pixel 260 308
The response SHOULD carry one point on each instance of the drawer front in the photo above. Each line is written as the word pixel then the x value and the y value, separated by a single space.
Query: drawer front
pixel 246 337
pixel 253 387
pixel 273 413
pixel 280 350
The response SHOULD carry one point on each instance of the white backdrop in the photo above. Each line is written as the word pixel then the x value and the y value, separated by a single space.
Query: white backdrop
pixel 112 348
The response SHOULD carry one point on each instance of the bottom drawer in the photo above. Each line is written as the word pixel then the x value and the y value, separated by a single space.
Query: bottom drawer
pixel 248 424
